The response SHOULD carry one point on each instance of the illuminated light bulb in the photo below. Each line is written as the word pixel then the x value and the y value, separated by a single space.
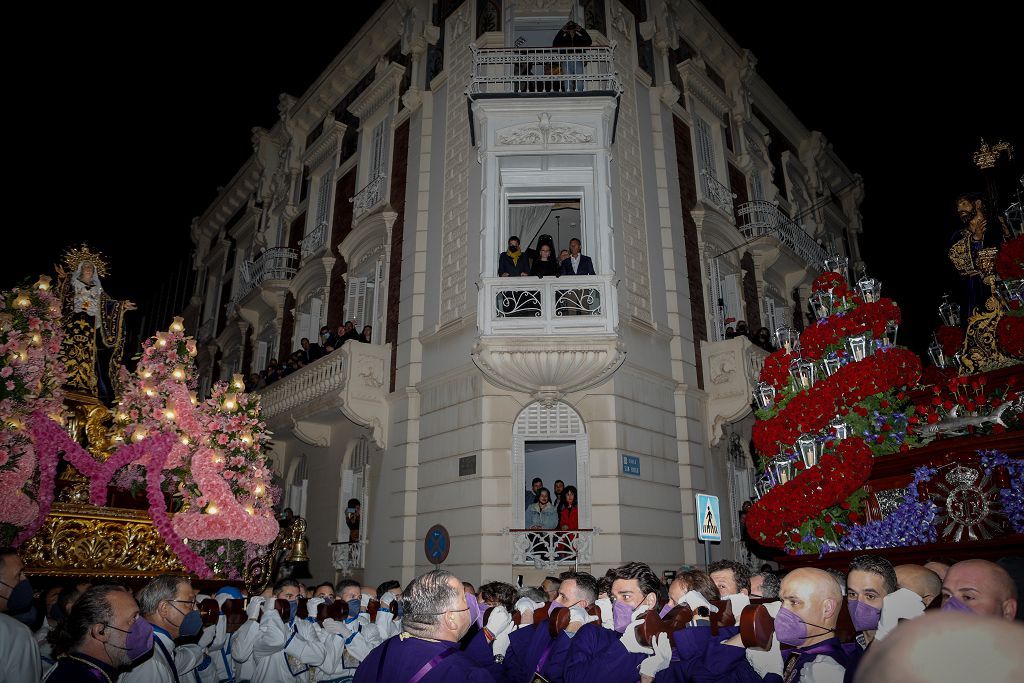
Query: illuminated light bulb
pixel 146 374
pixel 246 438
pixel 178 325
pixel 192 397
pixel 230 401
pixel 37 339
pixel 122 417
pixel 185 440
pixel 179 373
pixel 150 392
pixel 161 339
pixel 258 490
pixel 139 434
pixel 250 510
pixel 212 509
pixel 22 301
pixel 169 414
pixel 237 382
pixel 43 282
pixel 15 423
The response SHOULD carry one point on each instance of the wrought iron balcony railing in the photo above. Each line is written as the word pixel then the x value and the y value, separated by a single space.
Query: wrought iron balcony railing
pixel 550 549
pixel 716 192
pixel 278 263
pixel 761 217
pixel 369 198
pixel 543 71
pixel 572 304
pixel 314 241
pixel 347 555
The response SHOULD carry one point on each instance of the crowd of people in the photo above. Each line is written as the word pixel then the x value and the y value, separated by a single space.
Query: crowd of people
pixel 542 262
pixel 307 353
pixel 940 621
pixel 762 337
pixel 545 510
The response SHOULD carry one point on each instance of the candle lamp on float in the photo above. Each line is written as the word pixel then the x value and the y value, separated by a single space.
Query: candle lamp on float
pixel 870 289
pixel 860 346
pixel 838 264
pixel 764 395
pixel 949 311
pixel 787 338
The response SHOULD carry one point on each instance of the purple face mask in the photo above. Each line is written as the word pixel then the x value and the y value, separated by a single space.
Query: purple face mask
pixel 864 616
pixel 954 605
pixel 554 605
pixel 665 610
pixel 475 613
pixel 622 614
pixel 791 629
pixel 139 640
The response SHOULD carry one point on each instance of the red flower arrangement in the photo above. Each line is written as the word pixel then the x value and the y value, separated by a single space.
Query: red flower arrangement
pixel 951 338
pixel 873 317
pixel 830 281
pixel 776 368
pixel 1010 261
pixel 830 482
pixel 813 409
pixel 1010 335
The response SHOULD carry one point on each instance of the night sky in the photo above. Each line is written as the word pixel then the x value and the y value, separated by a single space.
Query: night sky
pixel 122 136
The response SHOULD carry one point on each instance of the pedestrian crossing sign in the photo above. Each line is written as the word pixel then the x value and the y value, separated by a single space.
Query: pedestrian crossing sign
pixel 709 521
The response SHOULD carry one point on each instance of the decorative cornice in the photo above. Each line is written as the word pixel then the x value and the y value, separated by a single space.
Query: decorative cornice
pixel 382 91
pixel 545 133
pixel 548 368
pixel 326 147
pixel 702 88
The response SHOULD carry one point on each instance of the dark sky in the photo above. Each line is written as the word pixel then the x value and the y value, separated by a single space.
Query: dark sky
pixel 128 134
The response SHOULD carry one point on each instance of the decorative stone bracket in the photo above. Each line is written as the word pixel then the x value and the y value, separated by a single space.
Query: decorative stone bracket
pixel 364 396
pixel 731 370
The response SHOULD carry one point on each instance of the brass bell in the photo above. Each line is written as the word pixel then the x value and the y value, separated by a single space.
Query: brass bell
pixel 299 553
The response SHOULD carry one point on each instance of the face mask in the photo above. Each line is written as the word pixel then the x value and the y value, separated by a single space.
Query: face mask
pixel 139 640
pixel 554 605
pixel 328 599
pixel 475 614
pixel 954 605
pixel 791 629
pixel 864 616
pixel 191 624
pixel 353 608
pixel 665 610
pixel 398 609
pixel 622 614
pixel 20 597
pixel 293 608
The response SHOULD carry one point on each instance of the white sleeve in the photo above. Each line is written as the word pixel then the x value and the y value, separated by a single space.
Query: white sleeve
pixel 21 654
pixel 310 652
pixel 187 658
pixel 364 641
pixel 822 670
pixel 242 641
pixel 267 641
pixel 334 653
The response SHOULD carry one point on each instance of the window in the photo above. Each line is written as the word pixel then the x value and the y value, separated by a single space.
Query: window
pixel 308 319
pixel 724 281
pixel 529 219
pixel 378 151
pixel 362 301
pixel 323 198
pixel 705 147
pixel 776 313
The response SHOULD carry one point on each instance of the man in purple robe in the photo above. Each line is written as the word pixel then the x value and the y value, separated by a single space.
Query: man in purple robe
pixel 436 618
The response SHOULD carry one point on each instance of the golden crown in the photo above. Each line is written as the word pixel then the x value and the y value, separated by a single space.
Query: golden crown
pixel 75 256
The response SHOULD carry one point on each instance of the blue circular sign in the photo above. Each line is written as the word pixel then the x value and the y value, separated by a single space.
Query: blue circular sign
pixel 437 544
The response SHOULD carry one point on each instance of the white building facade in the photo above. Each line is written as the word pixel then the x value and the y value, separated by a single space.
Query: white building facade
pixel 384 195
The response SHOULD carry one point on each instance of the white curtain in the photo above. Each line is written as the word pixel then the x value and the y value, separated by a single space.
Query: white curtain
pixel 526 222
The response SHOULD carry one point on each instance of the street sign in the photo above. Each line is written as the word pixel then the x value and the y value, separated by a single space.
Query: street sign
pixel 437 544
pixel 631 465
pixel 709 521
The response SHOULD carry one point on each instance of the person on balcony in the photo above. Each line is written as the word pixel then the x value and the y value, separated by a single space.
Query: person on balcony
pixel 531 493
pixel 568 516
pixel 367 334
pixel 309 352
pixel 577 263
pixel 571 36
pixel 542 514
pixel 348 332
pixel 513 263
pixel 327 339
pixel 353 519
pixel 545 264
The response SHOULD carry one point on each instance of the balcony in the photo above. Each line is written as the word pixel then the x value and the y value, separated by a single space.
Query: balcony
pixel 542 72
pixel 347 555
pixel 731 371
pixel 763 218
pixel 278 263
pixel 551 550
pixel 716 193
pixel 314 241
pixel 369 198
pixel 355 379
pixel 205 332
pixel 541 306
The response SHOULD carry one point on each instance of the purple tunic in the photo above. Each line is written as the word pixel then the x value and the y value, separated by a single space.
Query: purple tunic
pixel 597 656
pixel 400 658
pixel 82 668
pixel 728 664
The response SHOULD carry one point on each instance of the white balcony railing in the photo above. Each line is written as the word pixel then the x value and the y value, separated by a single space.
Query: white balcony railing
pixel 305 384
pixel 716 192
pixel 314 241
pixel 347 555
pixel 761 217
pixel 572 304
pixel 543 71
pixel 369 198
pixel 278 263
pixel 550 550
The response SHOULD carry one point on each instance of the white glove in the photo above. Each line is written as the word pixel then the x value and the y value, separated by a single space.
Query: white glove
pixel 526 606
pixel 337 627
pixel 773 608
pixel 209 633
pixel 661 658
pixel 252 610
pixel 499 621
pixel 311 606
pixel 695 600
pixel 387 599
pixel 221 598
pixel 639 611
pixel 739 601
pixel 901 604
pixel 364 600
pixel 578 615
pixel 768 661
pixel 607 618
pixel 628 639
pixel 501 642
pixel 221 639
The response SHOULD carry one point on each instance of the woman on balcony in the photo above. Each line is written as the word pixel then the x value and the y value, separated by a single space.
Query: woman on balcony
pixel 568 516
pixel 545 263
pixel 542 514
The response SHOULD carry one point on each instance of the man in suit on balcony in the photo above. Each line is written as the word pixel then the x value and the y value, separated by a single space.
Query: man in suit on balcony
pixel 310 352
pixel 577 263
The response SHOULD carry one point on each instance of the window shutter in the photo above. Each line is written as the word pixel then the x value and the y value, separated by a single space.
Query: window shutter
pixel 731 296
pixel 259 359
pixel 715 280
pixel 355 303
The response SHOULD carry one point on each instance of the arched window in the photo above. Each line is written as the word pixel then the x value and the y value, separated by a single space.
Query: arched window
pixel 297 486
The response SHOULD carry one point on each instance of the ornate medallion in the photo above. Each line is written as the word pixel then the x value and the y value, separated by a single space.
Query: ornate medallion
pixel 968 502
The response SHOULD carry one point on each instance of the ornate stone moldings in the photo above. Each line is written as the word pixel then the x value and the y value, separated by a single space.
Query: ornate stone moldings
pixel 702 88
pixel 364 395
pixel 547 368
pixel 732 368
pixel 544 133
pixel 326 147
